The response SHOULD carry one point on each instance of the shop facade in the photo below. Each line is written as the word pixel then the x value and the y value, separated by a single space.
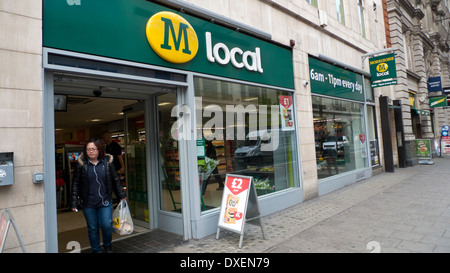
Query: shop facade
pixel 253 86
pixel 226 89
pixel 344 130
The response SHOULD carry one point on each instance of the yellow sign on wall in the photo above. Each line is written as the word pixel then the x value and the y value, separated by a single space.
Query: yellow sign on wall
pixel 172 37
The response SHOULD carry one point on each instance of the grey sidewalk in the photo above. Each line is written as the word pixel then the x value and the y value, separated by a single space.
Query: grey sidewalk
pixel 404 211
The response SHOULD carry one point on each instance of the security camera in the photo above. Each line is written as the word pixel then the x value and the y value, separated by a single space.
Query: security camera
pixel 97 93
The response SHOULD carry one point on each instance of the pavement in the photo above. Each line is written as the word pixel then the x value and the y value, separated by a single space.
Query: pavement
pixel 407 211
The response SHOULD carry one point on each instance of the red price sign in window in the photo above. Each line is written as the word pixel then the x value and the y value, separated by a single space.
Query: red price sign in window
pixel 236 185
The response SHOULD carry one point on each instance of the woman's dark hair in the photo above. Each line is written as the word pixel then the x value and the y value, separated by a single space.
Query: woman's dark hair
pixel 98 143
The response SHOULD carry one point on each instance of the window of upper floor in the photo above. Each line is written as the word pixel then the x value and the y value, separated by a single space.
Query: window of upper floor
pixel 313 2
pixel 362 24
pixel 340 11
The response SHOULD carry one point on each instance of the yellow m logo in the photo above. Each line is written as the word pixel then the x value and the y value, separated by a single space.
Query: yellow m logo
pixel 382 67
pixel 172 37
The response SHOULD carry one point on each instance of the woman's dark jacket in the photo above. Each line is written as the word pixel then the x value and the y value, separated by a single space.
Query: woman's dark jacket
pixel 80 181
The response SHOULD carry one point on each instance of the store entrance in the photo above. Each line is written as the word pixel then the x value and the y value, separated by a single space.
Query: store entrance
pixel 84 111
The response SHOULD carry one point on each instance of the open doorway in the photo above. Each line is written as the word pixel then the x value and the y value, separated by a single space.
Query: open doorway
pixel 86 117
pixel 85 109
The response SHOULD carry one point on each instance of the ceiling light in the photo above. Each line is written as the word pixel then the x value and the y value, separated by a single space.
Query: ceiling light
pixel 94 120
pixel 109 89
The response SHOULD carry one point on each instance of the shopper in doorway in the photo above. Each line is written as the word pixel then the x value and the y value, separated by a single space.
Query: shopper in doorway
pixel 94 181
pixel 211 153
pixel 113 148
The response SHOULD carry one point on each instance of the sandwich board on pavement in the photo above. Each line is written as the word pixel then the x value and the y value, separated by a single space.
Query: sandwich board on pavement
pixel 6 219
pixel 239 205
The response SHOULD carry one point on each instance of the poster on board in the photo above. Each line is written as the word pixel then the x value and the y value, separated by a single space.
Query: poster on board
pixel 239 204
pixel 287 113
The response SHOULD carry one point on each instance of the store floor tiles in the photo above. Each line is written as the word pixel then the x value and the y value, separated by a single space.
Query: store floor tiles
pixel 154 241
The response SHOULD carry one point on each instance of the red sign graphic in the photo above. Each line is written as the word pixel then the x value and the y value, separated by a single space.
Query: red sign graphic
pixel 237 185
pixel 362 138
pixel 285 101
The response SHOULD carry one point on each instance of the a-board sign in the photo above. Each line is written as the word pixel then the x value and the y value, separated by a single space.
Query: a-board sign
pixel 6 219
pixel 3 228
pixel 239 204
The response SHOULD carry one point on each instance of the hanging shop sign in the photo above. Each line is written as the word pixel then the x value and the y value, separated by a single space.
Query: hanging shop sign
pixel 145 32
pixel 239 204
pixel 330 80
pixel 383 70
pixel 434 84
pixel 438 101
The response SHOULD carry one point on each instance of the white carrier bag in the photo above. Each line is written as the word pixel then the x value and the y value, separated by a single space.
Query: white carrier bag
pixel 122 222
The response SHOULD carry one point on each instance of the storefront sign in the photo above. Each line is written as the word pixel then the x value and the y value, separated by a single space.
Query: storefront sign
pixel 145 32
pixel 173 46
pixel 439 101
pixel 330 80
pixel 239 202
pixel 234 202
pixel 434 84
pixel 383 70
pixel 250 60
pixel 287 113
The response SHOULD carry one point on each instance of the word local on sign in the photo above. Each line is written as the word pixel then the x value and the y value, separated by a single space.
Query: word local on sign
pixel 212 54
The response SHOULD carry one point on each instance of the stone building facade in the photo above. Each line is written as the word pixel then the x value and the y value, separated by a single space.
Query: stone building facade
pixel 418 33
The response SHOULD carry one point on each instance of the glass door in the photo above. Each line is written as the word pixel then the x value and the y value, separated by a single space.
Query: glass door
pixel 136 161
pixel 169 156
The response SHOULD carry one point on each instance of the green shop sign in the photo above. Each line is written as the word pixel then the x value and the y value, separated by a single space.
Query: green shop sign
pixel 383 70
pixel 144 32
pixel 439 101
pixel 330 80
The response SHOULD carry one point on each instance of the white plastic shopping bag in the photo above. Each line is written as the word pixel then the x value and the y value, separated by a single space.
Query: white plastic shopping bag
pixel 122 222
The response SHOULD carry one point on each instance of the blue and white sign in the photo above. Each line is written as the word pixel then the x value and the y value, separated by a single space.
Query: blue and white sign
pixel 444 130
pixel 434 84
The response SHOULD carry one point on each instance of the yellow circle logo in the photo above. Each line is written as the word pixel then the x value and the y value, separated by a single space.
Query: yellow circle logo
pixel 172 37
pixel 382 67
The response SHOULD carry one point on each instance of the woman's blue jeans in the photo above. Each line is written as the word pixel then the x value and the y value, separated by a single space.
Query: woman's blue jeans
pixel 96 219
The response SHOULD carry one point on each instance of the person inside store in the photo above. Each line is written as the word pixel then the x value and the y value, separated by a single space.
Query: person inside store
pixel 211 153
pixel 113 148
pixel 330 156
pixel 94 181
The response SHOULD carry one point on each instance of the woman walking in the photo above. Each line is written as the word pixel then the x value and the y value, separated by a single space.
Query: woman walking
pixel 94 181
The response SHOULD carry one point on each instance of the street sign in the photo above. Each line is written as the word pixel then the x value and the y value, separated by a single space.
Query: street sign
pixel 239 205
pixel 434 84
